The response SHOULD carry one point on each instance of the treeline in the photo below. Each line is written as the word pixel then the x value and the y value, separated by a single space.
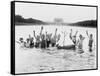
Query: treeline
pixel 88 23
pixel 19 20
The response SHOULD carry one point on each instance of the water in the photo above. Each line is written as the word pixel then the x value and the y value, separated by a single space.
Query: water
pixel 24 31
pixel 27 59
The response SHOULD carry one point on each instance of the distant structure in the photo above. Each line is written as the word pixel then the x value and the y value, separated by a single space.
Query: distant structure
pixel 58 20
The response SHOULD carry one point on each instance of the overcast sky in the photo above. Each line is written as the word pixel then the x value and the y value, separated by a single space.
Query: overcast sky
pixel 47 12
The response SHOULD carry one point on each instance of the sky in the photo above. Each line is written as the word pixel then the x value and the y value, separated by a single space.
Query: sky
pixel 48 12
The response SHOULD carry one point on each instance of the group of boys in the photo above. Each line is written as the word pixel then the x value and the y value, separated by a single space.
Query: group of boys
pixel 48 40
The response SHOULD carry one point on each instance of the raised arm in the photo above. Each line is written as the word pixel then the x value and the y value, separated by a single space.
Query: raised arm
pixel 29 36
pixel 34 34
pixel 76 33
pixel 77 41
pixel 46 35
pixel 50 36
pixel 58 38
pixel 70 34
pixel 56 32
pixel 41 31
pixel 87 33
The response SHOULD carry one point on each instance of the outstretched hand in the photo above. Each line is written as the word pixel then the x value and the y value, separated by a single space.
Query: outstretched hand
pixel 29 36
pixel 76 33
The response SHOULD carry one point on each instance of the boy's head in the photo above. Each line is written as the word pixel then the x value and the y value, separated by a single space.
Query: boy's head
pixel 27 39
pixel 43 36
pixel 91 35
pixel 80 36
pixel 74 37
pixel 21 39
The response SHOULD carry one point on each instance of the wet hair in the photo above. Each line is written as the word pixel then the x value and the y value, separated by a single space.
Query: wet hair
pixel 91 35
pixel 74 36
pixel 21 39
pixel 43 36
pixel 80 36
pixel 27 39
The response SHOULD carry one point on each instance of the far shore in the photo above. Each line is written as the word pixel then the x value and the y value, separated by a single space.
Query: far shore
pixel 47 24
pixel 22 24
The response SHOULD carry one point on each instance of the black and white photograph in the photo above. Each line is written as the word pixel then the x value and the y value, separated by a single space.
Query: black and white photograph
pixel 55 37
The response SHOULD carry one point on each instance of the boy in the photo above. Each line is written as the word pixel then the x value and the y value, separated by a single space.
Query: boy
pixel 37 43
pixel 27 45
pixel 47 40
pixel 22 43
pixel 80 44
pixel 31 41
pixel 90 41
pixel 53 40
pixel 73 38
